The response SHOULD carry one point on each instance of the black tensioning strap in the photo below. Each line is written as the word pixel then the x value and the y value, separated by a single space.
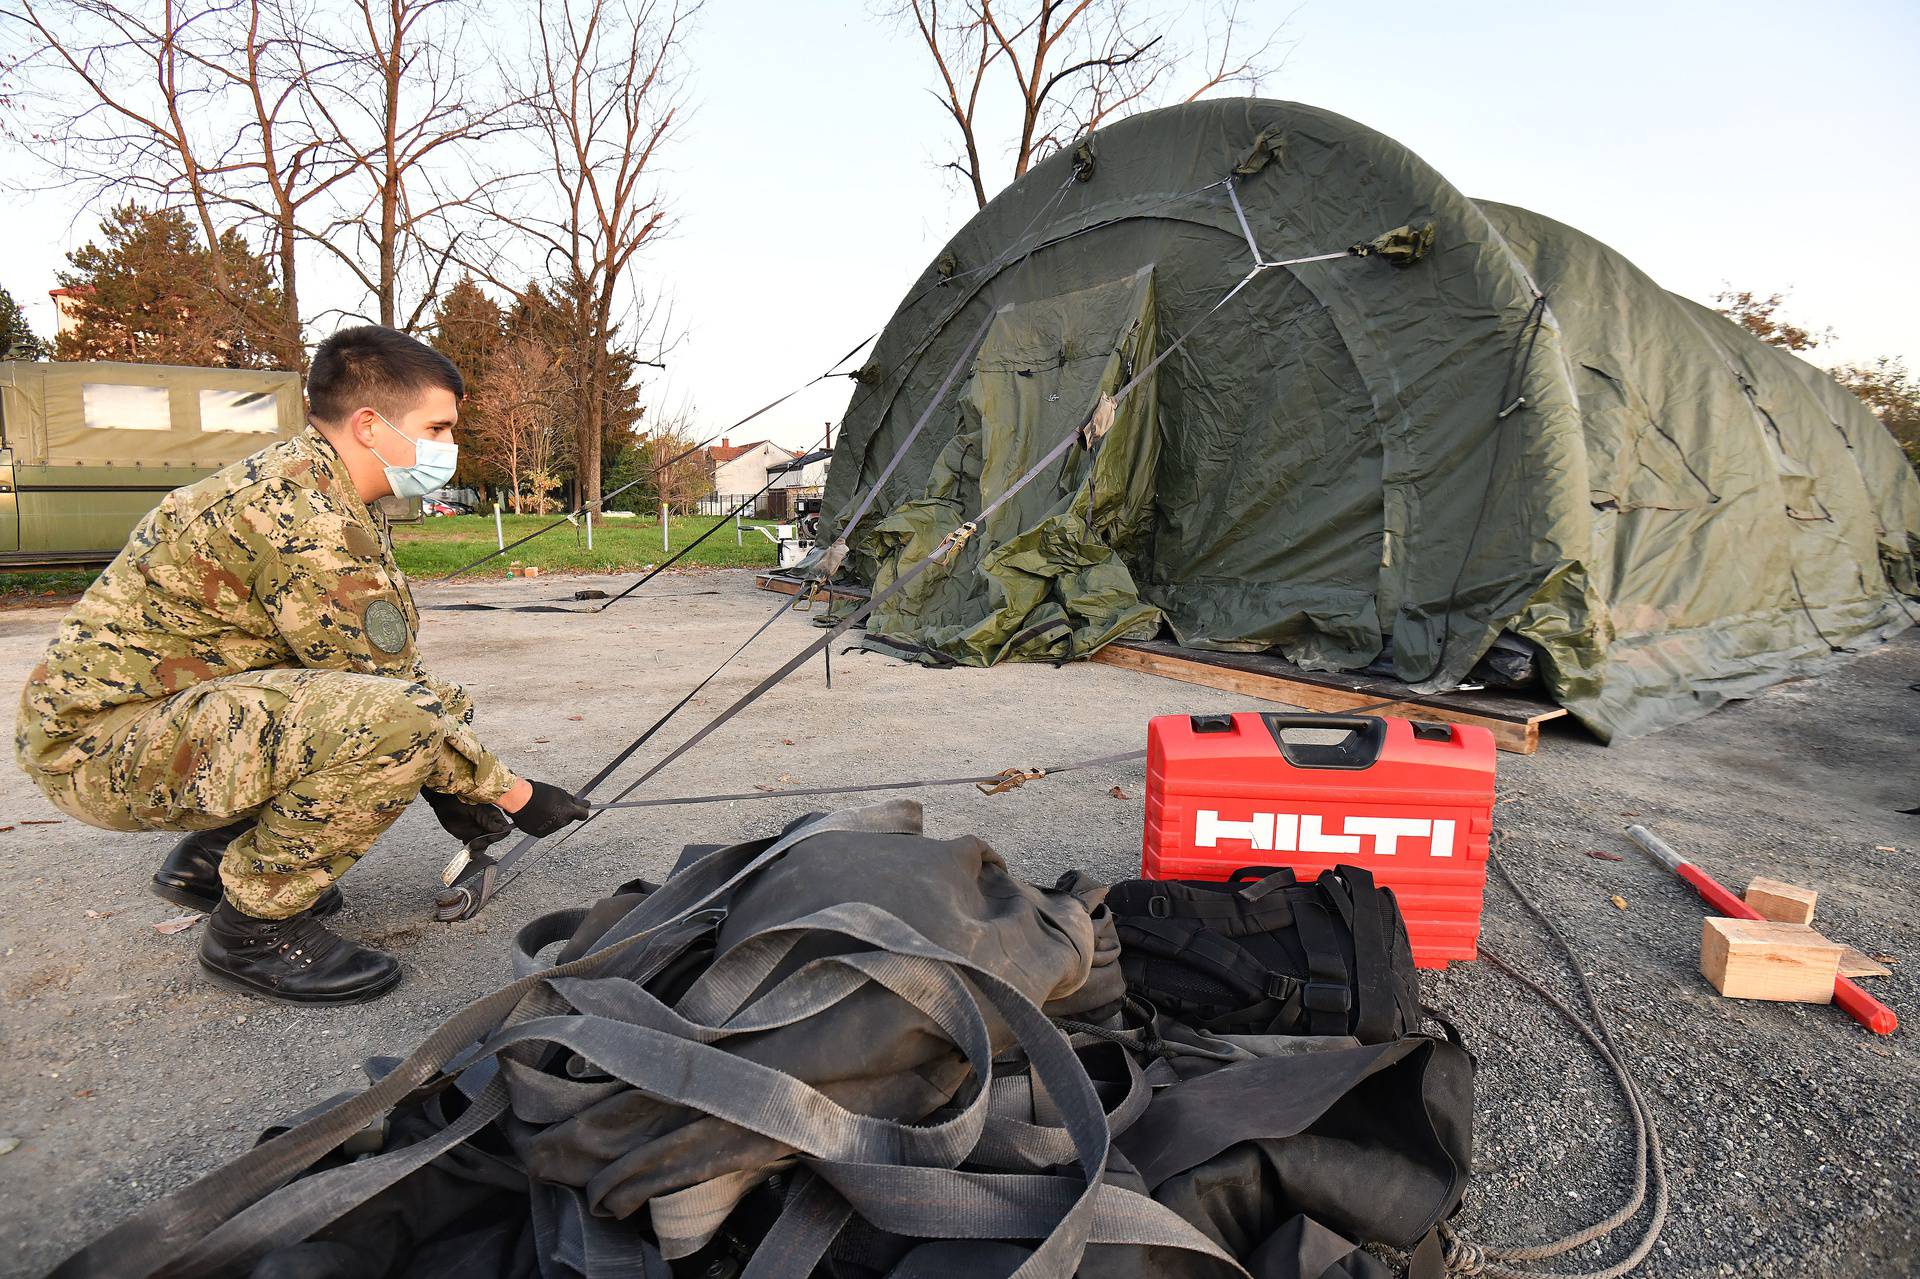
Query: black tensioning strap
pixel 917 783
pixel 466 896
pixel 486 876
pixel 938 397
pixel 673 559
pixel 493 875
pixel 678 457
pixel 549 606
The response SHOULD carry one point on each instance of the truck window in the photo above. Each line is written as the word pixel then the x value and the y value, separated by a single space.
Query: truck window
pixel 111 406
pixel 249 412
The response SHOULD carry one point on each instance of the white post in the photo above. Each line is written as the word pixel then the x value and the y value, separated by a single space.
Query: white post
pixel 736 529
pixel 499 533
pixel 589 528
pixel 663 527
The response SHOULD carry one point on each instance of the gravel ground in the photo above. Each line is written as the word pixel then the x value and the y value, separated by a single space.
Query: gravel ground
pixel 1789 1130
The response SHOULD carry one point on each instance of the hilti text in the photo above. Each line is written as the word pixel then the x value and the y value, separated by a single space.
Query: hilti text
pixel 1305 833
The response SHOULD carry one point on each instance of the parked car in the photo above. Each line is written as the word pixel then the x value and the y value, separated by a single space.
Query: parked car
pixel 436 506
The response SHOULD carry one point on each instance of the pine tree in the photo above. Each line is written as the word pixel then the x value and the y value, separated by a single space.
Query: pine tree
pixel 469 329
pixel 17 340
pixel 146 297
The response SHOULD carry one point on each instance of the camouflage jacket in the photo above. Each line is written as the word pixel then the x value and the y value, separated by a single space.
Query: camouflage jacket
pixel 273 561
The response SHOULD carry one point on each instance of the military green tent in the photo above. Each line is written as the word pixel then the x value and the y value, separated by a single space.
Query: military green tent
pixel 1482 422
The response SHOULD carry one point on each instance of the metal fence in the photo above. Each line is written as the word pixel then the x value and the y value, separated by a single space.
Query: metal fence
pixel 721 503
pixel 774 504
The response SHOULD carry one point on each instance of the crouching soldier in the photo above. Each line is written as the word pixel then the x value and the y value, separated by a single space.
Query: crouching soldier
pixel 245 671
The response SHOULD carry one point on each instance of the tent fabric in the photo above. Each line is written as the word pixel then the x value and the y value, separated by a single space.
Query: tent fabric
pixel 1361 460
pixel 1057 564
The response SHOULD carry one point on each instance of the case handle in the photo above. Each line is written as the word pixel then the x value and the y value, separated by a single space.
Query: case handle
pixel 1365 736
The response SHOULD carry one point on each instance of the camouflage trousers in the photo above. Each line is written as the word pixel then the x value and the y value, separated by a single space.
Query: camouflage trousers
pixel 324 760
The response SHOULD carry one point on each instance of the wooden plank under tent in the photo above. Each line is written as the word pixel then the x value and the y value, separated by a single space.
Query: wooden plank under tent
pixel 1514 719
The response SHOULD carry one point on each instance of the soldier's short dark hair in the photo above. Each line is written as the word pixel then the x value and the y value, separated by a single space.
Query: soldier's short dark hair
pixel 373 365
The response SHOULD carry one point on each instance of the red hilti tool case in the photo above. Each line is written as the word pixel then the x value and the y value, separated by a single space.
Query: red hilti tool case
pixel 1412 802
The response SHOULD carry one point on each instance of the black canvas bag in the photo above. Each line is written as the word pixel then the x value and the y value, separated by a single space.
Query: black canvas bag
pixel 1271 957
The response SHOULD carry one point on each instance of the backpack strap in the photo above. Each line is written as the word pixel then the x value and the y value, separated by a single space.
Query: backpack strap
pixel 1352 891
pixel 1196 946
pixel 1271 998
pixel 1281 877
pixel 1255 908
pixel 1327 996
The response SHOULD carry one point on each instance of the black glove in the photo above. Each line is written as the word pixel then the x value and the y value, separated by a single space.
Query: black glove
pixel 467 822
pixel 549 810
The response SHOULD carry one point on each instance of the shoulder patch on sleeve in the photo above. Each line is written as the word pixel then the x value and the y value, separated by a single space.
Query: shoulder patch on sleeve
pixel 385 625
pixel 362 543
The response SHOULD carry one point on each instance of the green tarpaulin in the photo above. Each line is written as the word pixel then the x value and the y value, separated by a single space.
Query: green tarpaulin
pixel 1480 421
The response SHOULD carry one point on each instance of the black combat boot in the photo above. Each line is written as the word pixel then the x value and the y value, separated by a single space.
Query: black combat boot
pixel 296 961
pixel 190 876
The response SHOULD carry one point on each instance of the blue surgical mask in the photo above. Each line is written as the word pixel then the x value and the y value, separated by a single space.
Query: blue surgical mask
pixel 433 464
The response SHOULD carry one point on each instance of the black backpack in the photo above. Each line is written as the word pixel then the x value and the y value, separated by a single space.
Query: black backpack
pixel 1271 957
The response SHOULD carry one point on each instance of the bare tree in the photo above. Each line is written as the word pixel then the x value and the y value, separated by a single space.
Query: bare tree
pixel 9 98
pixel 518 424
pixel 185 109
pixel 1061 68
pixel 603 97
pixel 680 478
pixel 410 104
pixel 357 136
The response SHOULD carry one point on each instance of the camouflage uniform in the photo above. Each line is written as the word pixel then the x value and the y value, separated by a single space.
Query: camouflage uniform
pixel 251 654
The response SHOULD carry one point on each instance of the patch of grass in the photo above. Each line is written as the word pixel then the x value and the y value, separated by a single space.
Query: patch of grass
pixel 19 588
pixel 437 546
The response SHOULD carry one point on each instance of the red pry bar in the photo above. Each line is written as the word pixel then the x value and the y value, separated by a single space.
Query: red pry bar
pixel 1853 1001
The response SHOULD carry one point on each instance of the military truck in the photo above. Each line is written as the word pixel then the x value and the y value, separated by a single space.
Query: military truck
pixel 89 447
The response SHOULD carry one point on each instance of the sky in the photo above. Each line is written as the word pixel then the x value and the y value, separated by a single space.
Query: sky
pixel 1759 144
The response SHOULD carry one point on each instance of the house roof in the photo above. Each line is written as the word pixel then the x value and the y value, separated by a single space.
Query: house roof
pixel 802 462
pixel 726 452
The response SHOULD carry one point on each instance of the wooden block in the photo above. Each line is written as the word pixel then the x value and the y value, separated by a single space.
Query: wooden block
pixel 1782 903
pixel 1854 963
pixel 1760 959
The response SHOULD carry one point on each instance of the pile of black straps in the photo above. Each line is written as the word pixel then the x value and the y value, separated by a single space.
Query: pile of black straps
pixel 851 1050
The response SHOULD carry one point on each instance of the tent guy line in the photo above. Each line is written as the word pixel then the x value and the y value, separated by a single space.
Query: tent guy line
pixel 651 573
pixel 1007 257
pixel 472 878
pixel 469 892
pixel 678 457
pixel 764 409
